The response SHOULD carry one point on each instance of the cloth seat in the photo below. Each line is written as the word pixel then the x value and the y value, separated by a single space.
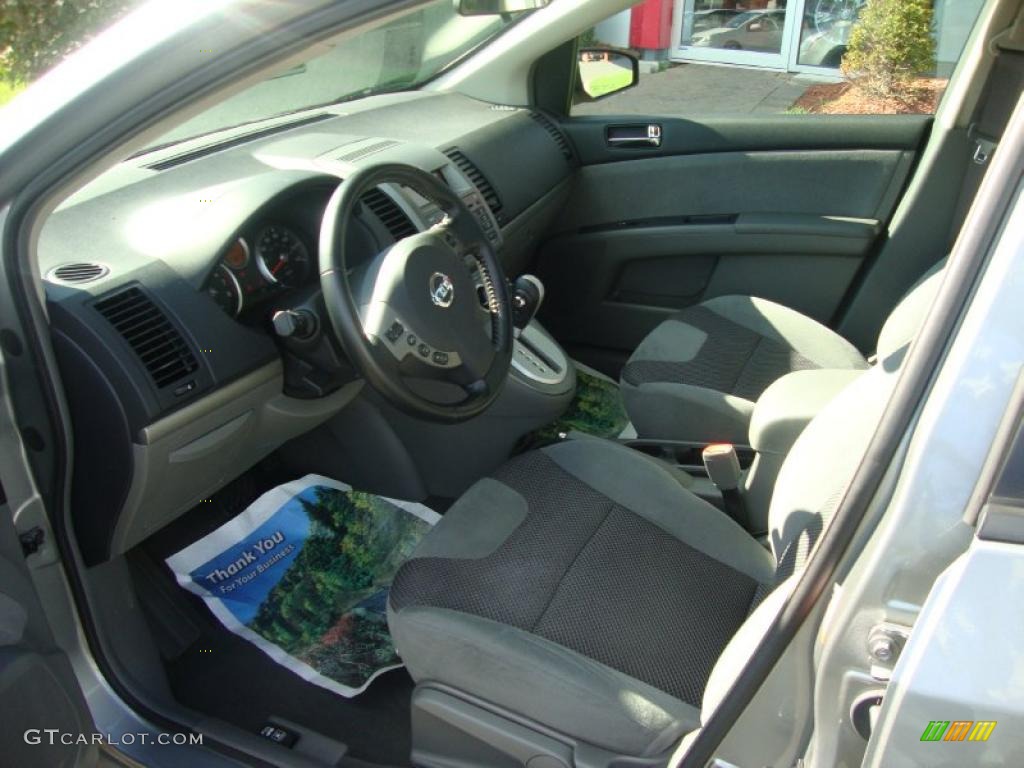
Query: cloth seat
pixel 547 583
pixel 582 587
pixel 696 376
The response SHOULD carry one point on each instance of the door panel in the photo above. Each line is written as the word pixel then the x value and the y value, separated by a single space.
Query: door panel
pixel 782 208
pixel 851 183
pixel 757 133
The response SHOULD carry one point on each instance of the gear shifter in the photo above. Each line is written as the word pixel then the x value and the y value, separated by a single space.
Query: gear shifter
pixel 527 295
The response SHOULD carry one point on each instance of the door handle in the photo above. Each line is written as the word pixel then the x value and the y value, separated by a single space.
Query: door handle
pixel 634 136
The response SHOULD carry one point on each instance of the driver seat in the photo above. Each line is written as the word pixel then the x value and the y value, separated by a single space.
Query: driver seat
pixel 584 591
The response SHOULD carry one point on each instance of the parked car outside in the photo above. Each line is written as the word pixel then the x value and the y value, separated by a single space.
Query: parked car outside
pixel 753 30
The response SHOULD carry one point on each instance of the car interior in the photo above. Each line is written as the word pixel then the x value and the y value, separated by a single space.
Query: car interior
pixel 633 379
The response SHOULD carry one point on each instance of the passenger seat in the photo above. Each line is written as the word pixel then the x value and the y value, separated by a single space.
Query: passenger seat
pixel 697 375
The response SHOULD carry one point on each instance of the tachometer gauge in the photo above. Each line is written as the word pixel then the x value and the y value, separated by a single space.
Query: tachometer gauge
pixel 225 290
pixel 281 256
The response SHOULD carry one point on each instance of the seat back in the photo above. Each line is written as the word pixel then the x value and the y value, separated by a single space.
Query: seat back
pixel 825 456
pixel 811 483
pixel 821 464
pixel 902 324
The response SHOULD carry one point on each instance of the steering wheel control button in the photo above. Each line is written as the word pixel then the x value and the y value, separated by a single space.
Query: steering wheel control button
pixel 394 333
pixel 424 350
pixel 411 339
pixel 439 357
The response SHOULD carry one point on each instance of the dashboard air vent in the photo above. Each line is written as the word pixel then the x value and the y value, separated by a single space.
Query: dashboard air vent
pixel 480 181
pixel 390 215
pixel 157 343
pixel 555 132
pixel 77 272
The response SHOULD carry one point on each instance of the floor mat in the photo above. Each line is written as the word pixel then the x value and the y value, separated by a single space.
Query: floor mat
pixel 226 677
pixel 303 572
pixel 596 409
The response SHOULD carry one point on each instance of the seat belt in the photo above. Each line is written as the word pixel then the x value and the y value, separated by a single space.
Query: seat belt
pixel 1002 91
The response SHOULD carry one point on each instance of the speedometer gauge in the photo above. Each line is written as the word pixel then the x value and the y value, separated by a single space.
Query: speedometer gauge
pixel 281 256
pixel 225 290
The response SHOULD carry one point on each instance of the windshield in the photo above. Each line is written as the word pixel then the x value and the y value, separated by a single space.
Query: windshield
pixel 397 55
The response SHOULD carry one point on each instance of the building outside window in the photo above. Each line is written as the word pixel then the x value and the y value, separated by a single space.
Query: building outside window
pixel 803 36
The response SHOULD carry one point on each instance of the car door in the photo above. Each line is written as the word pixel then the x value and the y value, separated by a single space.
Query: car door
pixel 45 719
pixel 707 180
pixel 774 207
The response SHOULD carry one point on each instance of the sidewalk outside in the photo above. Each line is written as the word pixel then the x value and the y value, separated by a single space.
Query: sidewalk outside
pixel 690 90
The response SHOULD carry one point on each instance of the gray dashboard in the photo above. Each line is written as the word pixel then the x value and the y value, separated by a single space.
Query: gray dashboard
pixel 137 264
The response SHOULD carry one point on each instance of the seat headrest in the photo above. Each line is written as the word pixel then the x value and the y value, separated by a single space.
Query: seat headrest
pixel 905 320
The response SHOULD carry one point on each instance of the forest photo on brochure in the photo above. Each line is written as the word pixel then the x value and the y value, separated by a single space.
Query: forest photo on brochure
pixel 303 573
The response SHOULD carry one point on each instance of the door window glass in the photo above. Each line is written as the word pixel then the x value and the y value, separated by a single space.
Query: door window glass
pixel 747 57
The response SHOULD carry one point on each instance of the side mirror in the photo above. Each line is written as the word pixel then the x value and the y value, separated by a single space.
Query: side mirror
pixel 496 7
pixel 603 72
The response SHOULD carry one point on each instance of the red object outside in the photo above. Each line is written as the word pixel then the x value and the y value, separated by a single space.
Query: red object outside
pixel 650 25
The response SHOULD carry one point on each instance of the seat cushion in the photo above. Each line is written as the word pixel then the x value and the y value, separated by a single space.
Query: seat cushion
pixel 696 376
pixel 582 587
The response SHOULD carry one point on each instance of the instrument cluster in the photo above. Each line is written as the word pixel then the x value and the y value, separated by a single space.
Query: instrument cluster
pixel 252 270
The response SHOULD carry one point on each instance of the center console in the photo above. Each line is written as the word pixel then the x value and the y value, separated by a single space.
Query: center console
pixel 538 361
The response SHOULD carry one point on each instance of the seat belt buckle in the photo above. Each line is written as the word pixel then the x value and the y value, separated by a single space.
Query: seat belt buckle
pixel 723 467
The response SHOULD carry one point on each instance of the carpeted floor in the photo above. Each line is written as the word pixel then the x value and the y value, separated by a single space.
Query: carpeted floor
pixel 222 675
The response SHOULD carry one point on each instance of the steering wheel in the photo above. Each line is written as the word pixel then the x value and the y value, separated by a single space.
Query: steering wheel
pixel 433 306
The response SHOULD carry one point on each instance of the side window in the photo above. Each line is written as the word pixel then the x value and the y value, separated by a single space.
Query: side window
pixel 701 58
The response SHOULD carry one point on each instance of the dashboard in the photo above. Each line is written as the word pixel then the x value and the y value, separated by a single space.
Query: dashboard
pixel 163 275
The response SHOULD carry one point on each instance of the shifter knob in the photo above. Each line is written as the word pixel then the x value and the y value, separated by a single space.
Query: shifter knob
pixel 527 295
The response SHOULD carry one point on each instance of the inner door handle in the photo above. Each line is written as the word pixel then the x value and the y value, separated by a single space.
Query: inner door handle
pixel 634 136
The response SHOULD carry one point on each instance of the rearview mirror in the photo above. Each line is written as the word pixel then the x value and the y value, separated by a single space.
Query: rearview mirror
pixel 603 72
pixel 496 7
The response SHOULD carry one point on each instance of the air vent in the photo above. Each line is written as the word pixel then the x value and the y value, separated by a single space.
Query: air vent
pixel 549 125
pixel 390 215
pixel 366 151
pixel 158 344
pixel 480 181
pixel 78 272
